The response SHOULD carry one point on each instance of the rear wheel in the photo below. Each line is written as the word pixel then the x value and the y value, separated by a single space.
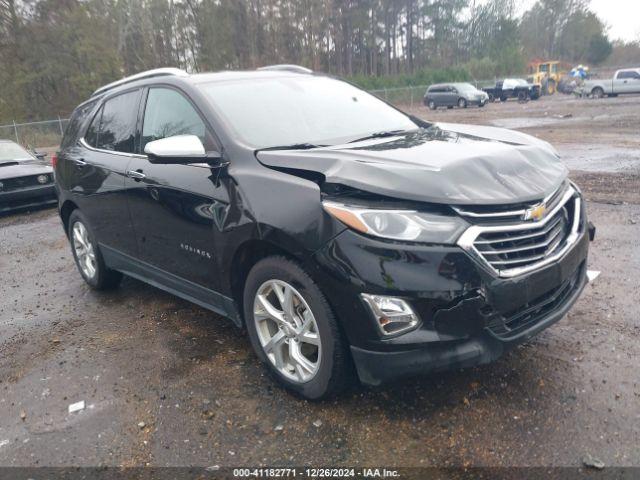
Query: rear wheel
pixel 462 103
pixel 522 96
pixel 293 330
pixel 597 93
pixel 87 255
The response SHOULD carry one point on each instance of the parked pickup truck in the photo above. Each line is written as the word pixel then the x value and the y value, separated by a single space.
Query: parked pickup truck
pixel 513 88
pixel 624 81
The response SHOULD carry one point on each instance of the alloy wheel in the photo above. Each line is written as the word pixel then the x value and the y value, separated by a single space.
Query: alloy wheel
pixel 84 250
pixel 287 331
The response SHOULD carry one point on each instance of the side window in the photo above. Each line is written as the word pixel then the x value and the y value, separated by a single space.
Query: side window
pixel 169 113
pixel 73 128
pixel 91 135
pixel 118 123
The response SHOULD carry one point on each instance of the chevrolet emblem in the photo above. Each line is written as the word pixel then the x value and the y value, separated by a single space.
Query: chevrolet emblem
pixel 536 212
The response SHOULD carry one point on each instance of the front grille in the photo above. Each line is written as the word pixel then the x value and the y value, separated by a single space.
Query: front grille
pixel 510 248
pixel 518 248
pixel 10 184
pixel 519 320
pixel 493 214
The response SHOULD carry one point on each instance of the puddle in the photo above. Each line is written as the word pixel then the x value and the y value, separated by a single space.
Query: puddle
pixel 530 122
pixel 600 158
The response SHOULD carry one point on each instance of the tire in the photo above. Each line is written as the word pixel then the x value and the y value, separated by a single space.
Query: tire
pixel 332 363
pixel 432 105
pixel 99 277
pixel 462 103
pixel 492 98
pixel 551 87
pixel 597 93
pixel 523 96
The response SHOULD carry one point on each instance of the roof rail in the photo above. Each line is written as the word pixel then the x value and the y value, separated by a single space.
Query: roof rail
pixel 158 72
pixel 287 67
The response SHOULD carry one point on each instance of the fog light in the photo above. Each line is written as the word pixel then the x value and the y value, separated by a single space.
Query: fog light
pixel 393 315
pixel 42 179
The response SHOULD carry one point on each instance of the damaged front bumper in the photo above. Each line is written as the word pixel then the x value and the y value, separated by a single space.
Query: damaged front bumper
pixel 468 316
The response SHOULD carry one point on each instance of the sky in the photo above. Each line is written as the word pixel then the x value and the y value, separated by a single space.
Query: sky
pixel 621 16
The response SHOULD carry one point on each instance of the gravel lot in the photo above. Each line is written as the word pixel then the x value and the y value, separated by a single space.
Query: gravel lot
pixel 168 383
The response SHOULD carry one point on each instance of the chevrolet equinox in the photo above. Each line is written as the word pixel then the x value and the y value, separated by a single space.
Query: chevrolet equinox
pixel 346 236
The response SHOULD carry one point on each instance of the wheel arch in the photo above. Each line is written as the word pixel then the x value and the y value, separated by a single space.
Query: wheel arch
pixel 245 257
pixel 66 209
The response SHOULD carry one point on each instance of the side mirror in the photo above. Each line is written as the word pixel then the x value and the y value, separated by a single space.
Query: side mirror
pixel 180 149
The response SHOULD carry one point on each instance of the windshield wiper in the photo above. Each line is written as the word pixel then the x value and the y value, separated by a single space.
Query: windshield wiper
pixel 387 133
pixel 294 146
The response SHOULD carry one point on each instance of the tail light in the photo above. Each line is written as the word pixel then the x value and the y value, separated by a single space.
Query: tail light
pixel 54 160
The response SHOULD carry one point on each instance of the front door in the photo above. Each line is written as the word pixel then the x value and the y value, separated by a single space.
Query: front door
pixel 174 208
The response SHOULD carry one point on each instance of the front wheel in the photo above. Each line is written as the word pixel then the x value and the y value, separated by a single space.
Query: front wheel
pixel 432 105
pixel 462 103
pixel 293 330
pixel 87 255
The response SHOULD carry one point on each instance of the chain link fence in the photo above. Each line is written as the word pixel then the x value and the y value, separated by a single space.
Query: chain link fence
pixel 412 96
pixel 33 135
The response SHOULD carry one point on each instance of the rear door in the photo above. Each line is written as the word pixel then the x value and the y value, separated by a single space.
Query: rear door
pixel 99 164
pixel 174 207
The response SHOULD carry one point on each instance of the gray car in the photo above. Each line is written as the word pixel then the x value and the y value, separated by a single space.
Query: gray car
pixel 25 179
pixel 454 94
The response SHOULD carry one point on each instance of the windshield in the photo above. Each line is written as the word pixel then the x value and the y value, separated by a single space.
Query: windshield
pixel 465 87
pixel 269 112
pixel 12 152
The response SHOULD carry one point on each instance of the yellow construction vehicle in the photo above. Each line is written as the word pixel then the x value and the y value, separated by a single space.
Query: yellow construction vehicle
pixel 547 74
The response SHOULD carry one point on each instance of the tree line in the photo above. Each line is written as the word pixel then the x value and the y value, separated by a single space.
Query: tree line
pixel 54 53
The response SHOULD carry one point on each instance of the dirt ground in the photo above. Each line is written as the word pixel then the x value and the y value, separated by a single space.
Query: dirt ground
pixel 167 383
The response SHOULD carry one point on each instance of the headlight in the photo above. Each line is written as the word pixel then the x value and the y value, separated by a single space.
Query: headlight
pixel 407 225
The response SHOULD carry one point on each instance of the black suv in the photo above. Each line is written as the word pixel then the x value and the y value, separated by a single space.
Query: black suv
pixel 338 230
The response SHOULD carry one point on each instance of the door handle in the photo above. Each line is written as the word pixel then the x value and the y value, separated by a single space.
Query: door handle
pixel 137 175
pixel 80 162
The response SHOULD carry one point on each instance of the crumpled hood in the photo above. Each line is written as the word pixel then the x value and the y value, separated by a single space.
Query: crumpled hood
pixel 445 163
pixel 23 169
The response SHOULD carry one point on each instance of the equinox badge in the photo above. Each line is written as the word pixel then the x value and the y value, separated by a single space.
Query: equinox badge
pixel 536 212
